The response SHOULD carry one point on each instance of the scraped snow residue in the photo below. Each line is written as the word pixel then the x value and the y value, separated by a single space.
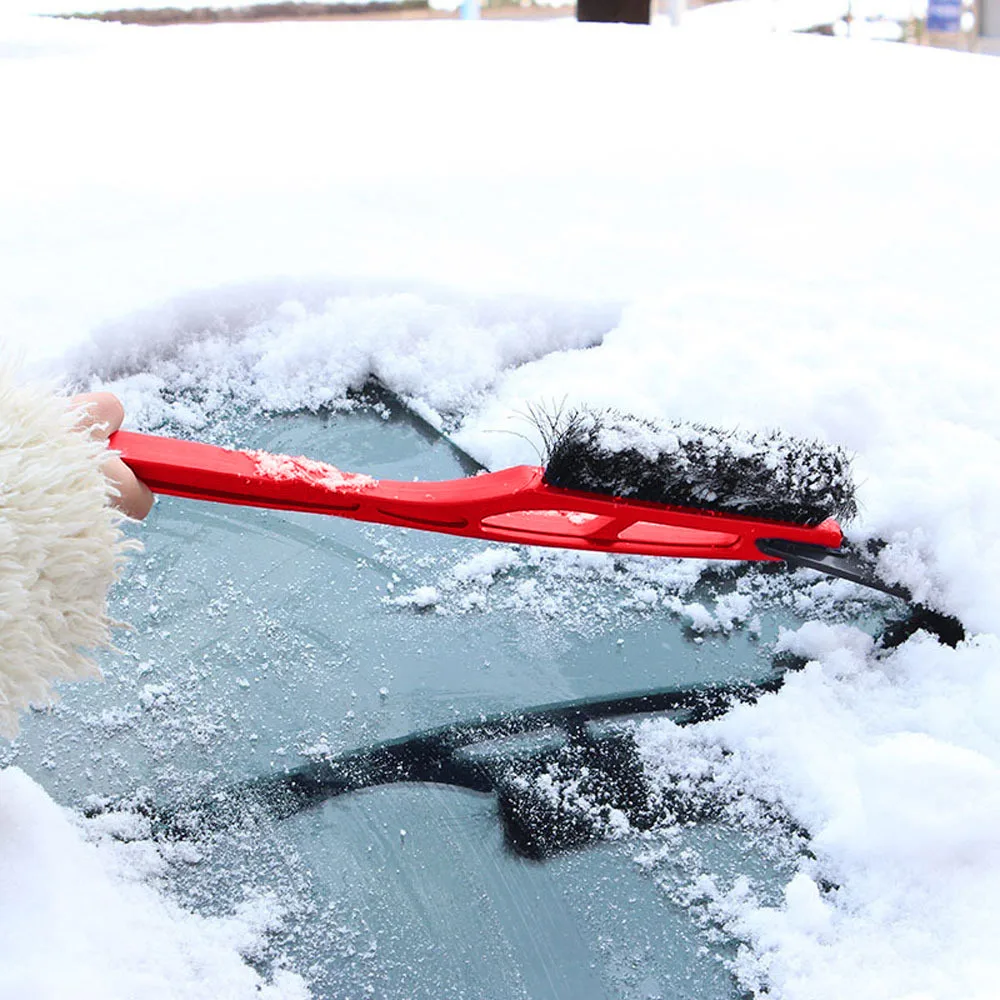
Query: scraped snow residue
pixel 285 468
pixel 483 567
pixel 422 598
pixel 806 240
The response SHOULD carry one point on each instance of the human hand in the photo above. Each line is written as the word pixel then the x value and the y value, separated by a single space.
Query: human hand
pixel 103 413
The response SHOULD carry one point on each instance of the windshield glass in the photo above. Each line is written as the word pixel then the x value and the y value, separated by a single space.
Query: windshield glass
pixel 417 750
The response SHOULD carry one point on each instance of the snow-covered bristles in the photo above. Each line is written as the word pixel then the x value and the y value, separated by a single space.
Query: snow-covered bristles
pixel 61 548
pixel 768 475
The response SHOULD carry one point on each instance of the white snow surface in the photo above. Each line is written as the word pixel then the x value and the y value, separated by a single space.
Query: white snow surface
pixel 77 920
pixel 784 232
pixel 893 767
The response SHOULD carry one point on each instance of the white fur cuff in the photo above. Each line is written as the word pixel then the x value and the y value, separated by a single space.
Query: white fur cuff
pixel 61 548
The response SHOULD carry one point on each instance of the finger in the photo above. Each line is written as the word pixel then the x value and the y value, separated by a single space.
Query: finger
pixel 101 411
pixel 104 413
pixel 135 499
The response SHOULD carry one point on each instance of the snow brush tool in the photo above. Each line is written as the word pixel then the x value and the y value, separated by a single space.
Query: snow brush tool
pixel 612 484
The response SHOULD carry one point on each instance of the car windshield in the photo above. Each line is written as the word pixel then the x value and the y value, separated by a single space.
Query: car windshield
pixel 353 726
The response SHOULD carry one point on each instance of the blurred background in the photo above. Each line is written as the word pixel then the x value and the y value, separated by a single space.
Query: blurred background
pixel 966 25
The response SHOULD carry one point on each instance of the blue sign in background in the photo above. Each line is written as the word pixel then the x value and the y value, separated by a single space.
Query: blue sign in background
pixel 944 15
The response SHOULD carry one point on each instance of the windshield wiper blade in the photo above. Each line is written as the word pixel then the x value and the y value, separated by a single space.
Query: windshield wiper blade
pixel 535 826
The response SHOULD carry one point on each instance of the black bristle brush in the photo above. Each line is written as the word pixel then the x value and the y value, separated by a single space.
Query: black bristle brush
pixel 769 475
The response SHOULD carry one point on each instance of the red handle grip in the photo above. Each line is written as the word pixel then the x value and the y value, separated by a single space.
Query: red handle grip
pixel 513 505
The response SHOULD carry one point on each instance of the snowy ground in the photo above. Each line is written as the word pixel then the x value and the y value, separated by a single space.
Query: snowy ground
pixel 796 232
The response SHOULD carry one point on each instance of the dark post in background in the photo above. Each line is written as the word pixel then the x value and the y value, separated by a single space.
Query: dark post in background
pixel 628 11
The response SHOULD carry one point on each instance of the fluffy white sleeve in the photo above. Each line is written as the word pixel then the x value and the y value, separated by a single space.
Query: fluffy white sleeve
pixel 61 548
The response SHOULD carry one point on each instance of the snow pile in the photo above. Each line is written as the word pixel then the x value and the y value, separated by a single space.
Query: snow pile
pixel 805 240
pixel 305 344
pixel 75 921
pixel 900 789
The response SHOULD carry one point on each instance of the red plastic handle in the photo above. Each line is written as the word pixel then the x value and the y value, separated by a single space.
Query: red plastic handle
pixel 514 505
